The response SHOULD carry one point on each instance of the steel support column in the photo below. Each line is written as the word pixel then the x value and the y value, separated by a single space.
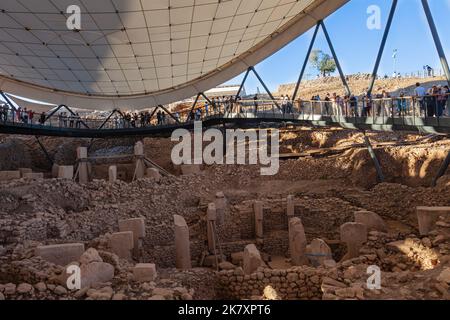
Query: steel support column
pixel 302 72
pixel 382 46
pixel 437 40
pixel 243 82
pixel 169 113
pixel 265 87
pixel 193 107
pixel 47 155
pixel 442 169
pixel 336 60
pixel 380 176
pixel 7 100
pixel 68 109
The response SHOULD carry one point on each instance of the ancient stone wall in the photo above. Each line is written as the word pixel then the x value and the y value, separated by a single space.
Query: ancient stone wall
pixel 294 283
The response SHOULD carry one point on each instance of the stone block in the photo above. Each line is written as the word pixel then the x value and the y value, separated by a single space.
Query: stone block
pixel 61 254
pixel 65 172
pixel 82 153
pixel 139 149
pixel 33 176
pixel 112 174
pixel 23 171
pixel 95 273
pixel 122 243
pixel 9 175
pixel 354 235
pixel 371 220
pixel 144 272
pixel 428 216
pixel 137 226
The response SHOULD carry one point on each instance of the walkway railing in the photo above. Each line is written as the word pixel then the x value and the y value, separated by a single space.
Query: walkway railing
pixel 412 110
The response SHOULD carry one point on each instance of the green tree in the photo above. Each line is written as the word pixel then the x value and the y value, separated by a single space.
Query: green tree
pixel 323 62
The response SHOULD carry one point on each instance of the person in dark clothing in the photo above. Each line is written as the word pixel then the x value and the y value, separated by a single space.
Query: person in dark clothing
pixel 255 103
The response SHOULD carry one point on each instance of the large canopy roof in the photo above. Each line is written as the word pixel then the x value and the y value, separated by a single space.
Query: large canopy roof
pixel 140 53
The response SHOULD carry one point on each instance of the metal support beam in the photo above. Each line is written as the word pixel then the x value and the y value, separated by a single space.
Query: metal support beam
pixel 193 107
pixel 169 113
pixel 7 100
pixel 206 98
pixel 382 46
pixel 265 87
pixel 380 175
pixel 336 60
pixel 101 126
pixel 437 40
pixel 47 155
pixel 242 84
pixel 442 170
pixel 302 72
pixel 68 109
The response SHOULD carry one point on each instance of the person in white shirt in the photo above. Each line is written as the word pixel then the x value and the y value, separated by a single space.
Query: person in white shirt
pixel 419 93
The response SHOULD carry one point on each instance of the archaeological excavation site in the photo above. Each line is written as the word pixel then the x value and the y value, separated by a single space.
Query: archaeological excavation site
pixel 206 159
pixel 138 227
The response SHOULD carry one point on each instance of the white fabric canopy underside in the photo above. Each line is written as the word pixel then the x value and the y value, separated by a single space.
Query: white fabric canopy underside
pixel 141 53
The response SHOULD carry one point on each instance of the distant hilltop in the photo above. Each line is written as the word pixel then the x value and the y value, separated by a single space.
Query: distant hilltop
pixel 358 84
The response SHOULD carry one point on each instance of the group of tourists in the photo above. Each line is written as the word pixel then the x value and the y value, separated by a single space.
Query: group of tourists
pixel 432 102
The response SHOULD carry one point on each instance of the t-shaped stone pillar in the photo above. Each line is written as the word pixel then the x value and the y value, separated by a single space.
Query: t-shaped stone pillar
pixel 211 217
pixel 290 209
pixel 354 235
pixel 252 259
pixel 297 242
pixel 221 205
pixel 112 174
pixel 182 244
pixel 318 252
pixel 139 160
pixel 82 157
pixel 258 209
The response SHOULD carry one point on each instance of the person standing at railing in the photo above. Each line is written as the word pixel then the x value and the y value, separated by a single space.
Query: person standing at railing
pixel 206 109
pixel 419 94
pixel 442 101
pixel 284 101
pixel 447 100
pixel 289 105
pixel 255 104
pixel 77 121
pixel 401 104
pixel 42 118
pixel 327 104
pixel 368 104
pixel 353 101
pixel 3 113
pixel 430 101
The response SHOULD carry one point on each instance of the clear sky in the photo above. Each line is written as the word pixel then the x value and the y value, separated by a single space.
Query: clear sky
pixel 356 46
